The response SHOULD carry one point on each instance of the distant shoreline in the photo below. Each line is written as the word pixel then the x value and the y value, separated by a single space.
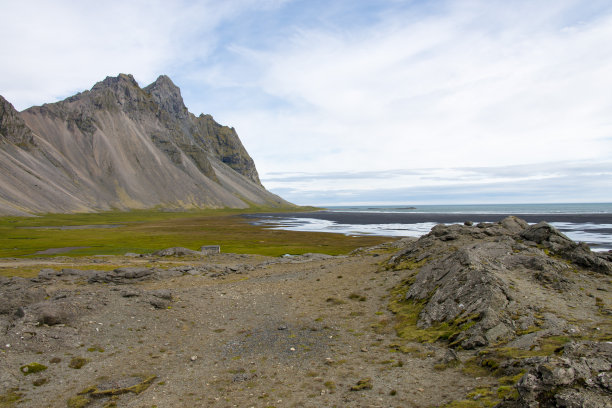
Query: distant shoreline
pixel 362 218
pixel 595 229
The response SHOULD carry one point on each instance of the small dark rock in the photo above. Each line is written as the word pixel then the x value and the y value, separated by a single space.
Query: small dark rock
pixel 53 313
pixel 159 303
pixel 241 377
pixel 19 313
pixel 162 294
pixel 128 293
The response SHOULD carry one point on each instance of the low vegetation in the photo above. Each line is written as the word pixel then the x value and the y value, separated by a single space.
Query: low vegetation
pixel 148 231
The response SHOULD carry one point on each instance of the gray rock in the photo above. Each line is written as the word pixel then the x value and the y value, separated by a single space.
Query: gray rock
pixel 162 294
pixel 53 313
pixel 526 341
pixel 133 272
pixel 501 332
pixel 159 303
pixel 241 377
pixel 583 256
pixel 122 275
pixel 78 272
pixel 128 293
pixel 568 381
pixel 604 379
pixel 514 225
pixel 525 322
pixel 546 235
pixel 473 342
pixel 462 273
pixel 48 273
pixel 549 237
pixel 449 357
pixel 18 292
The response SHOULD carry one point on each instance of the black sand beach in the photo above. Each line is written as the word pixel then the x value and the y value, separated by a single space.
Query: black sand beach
pixel 592 228
pixel 361 218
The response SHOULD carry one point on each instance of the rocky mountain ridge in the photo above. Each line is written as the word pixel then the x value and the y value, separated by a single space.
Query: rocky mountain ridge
pixel 119 146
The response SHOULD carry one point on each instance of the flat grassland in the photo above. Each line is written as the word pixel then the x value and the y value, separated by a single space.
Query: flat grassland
pixel 116 233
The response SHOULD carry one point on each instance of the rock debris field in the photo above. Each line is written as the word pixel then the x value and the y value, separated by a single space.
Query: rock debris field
pixel 502 314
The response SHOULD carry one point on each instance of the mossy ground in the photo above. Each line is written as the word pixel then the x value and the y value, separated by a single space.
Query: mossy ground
pixel 10 398
pixel 149 231
pixel 407 315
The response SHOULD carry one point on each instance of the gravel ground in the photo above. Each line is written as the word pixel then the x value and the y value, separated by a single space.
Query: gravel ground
pixel 281 332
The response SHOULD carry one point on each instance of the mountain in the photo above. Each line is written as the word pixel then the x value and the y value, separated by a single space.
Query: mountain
pixel 119 146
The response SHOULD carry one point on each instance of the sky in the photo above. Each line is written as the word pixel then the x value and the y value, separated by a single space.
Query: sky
pixel 356 102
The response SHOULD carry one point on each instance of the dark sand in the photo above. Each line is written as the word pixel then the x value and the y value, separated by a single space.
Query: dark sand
pixel 361 218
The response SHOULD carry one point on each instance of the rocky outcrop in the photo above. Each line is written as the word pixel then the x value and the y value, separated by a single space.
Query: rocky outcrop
pixel 476 277
pixel 511 291
pixel 578 253
pixel 580 377
pixel 119 146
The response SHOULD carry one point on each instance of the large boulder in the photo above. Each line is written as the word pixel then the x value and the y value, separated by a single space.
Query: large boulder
pixel 548 237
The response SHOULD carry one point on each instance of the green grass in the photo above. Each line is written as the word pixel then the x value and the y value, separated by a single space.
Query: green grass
pixel 147 231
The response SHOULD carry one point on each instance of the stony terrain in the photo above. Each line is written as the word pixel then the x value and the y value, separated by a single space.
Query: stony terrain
pixel 466 316
pixel 119 146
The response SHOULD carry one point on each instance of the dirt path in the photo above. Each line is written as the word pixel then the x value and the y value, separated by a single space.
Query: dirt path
pixel 284 334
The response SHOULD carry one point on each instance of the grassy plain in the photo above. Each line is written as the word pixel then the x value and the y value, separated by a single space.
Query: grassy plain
pixel 151 230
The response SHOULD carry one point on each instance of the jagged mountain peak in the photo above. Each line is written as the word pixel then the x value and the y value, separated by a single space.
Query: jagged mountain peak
pixel 168 96
pixel 115 83
pixel 120 146
pixel 164 81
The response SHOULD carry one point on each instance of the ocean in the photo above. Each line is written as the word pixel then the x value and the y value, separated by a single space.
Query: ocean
pixel 590 222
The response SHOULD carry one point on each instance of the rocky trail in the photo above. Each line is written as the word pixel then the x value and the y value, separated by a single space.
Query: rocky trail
pixel 488 315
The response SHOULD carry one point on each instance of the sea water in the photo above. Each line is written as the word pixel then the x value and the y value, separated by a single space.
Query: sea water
pixel 583 208
pixel 572 219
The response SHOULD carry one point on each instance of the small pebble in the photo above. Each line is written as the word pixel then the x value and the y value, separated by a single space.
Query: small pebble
pixel 292 349
pixel 194 358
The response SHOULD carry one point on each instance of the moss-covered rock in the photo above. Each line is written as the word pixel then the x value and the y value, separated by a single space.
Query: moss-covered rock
pixel 78 401
pixel 32 368
pixel 78 362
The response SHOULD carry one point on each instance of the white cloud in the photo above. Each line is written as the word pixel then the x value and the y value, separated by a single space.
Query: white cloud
pixel 469 86
pixel 351 87
pixel 54 49
pixel 541 183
